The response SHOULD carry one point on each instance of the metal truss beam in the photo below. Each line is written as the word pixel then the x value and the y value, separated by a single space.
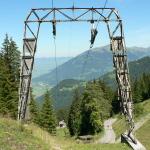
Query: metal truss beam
pixel 66 15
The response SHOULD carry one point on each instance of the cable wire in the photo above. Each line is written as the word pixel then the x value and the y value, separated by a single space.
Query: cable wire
pixel 56 64
pixel 85 62
pixel 52 4
pixel 55 49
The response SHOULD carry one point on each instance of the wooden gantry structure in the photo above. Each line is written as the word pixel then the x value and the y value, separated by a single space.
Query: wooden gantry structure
pixel 108 16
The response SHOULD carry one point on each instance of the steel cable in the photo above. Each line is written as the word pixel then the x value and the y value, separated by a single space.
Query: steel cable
pixel 56 64
pixel 52 4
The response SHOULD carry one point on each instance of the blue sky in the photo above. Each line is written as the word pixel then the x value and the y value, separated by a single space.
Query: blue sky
pixel 135 15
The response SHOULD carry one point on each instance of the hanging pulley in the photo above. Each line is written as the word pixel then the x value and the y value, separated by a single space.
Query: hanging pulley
pixel 54 28
pixel 93 33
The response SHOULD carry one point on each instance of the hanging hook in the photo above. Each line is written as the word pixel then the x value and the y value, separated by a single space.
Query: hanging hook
pixel 54 28
pixel 54 24
pixel 93 33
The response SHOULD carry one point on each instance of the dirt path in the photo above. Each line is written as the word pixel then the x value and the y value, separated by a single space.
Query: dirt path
pixel 109 135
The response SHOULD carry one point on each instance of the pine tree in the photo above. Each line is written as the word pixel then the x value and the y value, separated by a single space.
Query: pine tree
pixel 88 110
pixel 10 60
pixel 34 110
pixel 137 91
pixel 108 94
pixel 47 118
pixel 91 110
pixel 74 114
pixel 148 84
pixel 115 104
pixel 145 86
pixel 3 108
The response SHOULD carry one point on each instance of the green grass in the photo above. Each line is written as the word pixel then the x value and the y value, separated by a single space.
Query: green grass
pixel 120 125
pixel 31 137
pixel 99 147
pixel 15 137
pixel 146 106
pixel 143 134
pixel 64 133
pixel 63 141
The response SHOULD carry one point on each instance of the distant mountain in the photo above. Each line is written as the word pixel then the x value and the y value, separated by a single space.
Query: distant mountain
pixel 90 64
pixel 45 65
pixel 63 92
pixel 136 68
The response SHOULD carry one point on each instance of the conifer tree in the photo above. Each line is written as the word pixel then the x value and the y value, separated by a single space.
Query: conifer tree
pixel 115 103
pixel 144 83
pixel 91 111
pixel 137 92
pixel 74 114
pixel 34 110
pixel 88 111
pixel 3 108
pixel 10 63
pixel 47 118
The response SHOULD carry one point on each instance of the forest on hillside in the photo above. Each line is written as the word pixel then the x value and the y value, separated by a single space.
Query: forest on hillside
pixel 90 107
pixel 92 104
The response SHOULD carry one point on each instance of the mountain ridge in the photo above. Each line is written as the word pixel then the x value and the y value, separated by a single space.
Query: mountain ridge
pixel 44 65
pixel 97 61
pixel 62 94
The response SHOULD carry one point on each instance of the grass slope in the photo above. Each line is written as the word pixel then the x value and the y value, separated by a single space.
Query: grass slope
pixel 14 137
pixel 31 137
pixel 62 141
pixel 144 132
pixel 119 126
